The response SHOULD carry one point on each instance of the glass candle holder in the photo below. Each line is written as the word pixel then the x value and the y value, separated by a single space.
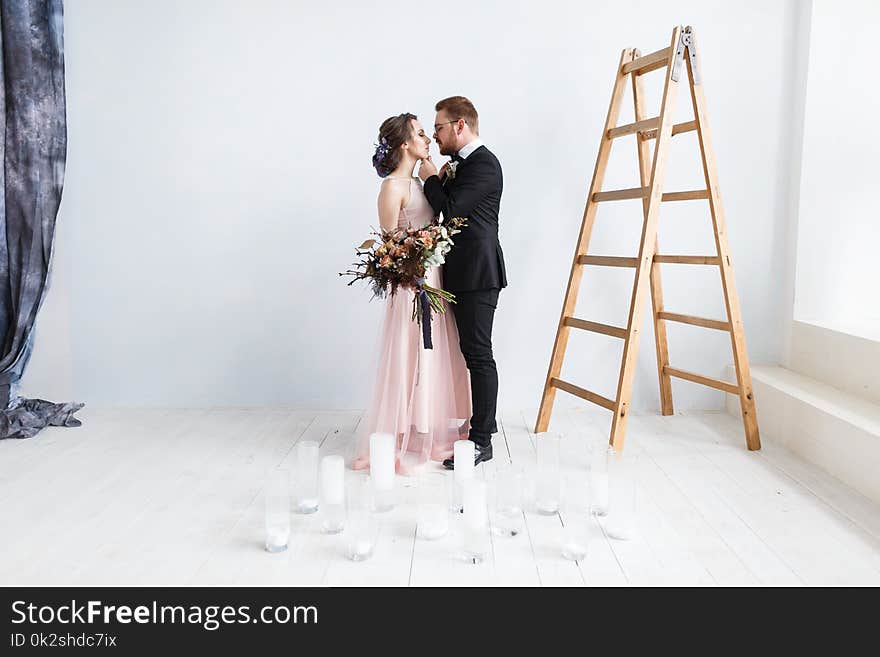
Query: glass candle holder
pixel 277 501
pixel 578 524
pixel 506 496
pixel 621 520
pixel 547 484
pixel 476 521
pixel 382 471
pixel 463 455
pixel 332 494
pixel 599 452
pixel 305 478
pixel 432 512
pixel 361 527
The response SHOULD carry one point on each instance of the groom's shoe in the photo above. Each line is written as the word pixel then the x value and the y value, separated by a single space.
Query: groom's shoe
pixel 481 454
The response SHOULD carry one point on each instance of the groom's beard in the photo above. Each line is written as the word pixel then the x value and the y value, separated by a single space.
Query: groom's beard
pixel 446 150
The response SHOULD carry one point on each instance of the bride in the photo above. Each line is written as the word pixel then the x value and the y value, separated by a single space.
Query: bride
pixel 420 396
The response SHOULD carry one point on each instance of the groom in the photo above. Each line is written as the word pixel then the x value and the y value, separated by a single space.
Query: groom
pixel 469 185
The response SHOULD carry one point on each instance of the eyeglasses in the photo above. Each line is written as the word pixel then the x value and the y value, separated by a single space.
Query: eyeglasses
pixel 437 126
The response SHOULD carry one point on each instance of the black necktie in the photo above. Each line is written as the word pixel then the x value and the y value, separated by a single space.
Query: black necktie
pixel 457 158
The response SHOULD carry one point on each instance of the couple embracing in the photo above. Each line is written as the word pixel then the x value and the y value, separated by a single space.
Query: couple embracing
pixel 429 398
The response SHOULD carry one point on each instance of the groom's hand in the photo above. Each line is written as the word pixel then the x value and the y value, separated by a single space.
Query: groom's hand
pixel 427 169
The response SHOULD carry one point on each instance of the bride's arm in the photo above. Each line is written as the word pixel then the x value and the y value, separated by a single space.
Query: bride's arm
pixel 390 202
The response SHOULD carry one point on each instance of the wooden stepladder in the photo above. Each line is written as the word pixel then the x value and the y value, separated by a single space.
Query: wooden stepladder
pixel 679 61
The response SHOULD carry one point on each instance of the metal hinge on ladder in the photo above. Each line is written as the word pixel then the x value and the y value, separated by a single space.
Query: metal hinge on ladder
pixel 685 40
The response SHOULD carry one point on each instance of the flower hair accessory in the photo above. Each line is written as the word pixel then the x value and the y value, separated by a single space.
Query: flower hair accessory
pixel 382 149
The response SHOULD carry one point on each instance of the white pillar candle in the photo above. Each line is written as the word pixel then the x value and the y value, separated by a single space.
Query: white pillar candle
pixel 333 479
pixel 463 455
pixel 475 513
pixel 382 461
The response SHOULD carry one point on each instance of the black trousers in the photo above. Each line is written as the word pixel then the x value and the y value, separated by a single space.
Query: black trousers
pixel 474 313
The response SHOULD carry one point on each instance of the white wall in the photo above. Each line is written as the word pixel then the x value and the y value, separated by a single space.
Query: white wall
pixel 218 178
pixel 838 226
pixel 796 83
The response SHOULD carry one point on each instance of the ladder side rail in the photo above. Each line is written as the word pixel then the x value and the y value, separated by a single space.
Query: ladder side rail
pixel 568 306
pixel 660 340
pixel 646 252
pixel 731 299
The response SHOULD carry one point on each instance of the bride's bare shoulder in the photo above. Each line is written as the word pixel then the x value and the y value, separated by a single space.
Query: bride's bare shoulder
pixel 393 189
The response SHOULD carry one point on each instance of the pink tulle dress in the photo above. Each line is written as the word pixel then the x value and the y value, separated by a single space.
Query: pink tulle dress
pixel 421 396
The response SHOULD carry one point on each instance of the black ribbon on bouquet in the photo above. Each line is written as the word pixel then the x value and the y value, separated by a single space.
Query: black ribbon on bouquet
pixel 425 310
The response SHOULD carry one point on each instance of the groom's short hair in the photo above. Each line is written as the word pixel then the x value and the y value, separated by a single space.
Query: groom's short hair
pixel 459 107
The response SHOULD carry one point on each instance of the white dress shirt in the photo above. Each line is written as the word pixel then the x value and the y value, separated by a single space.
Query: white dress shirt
pixel 470 148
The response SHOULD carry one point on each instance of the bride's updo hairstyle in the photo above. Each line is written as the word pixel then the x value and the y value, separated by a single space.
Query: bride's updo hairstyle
pixel 392 134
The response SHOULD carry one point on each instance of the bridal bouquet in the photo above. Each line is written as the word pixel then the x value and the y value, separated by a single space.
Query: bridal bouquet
pixel 400 258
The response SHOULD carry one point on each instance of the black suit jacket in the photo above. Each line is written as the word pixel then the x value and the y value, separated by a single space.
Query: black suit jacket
pixel 476 261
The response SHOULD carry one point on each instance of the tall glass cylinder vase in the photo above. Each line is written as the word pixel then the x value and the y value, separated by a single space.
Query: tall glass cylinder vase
pixel 476 521
pixel 432 511
pixel 463 456
pixel 361 526
pixel 305 477
pixel 382 471
pixel 621 520
pixel 332 494
pixel 578 525
pixel 547 484
pixel 277 501
pixel 506 501
pixel 599 453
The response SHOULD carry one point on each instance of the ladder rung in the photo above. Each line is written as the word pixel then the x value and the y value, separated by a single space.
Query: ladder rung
pixel 695 195
pixel 620 194
pixel 583 394
pixel 595 327
pixel 694 321
pixel 688 260
pixel 608 261
pixel 649 62
pixel 630 128
pixel 704 380
pixel 677 129
pixel 641 192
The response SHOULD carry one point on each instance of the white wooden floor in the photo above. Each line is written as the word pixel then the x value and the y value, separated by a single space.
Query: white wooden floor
pixel 173 497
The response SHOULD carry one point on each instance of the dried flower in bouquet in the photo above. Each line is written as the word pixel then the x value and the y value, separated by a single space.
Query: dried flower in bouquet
pixel 400 258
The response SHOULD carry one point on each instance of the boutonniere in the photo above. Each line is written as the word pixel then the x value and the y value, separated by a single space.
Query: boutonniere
pixel 450 172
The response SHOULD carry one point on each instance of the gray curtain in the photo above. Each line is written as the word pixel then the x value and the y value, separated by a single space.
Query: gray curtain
pixel 34 146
